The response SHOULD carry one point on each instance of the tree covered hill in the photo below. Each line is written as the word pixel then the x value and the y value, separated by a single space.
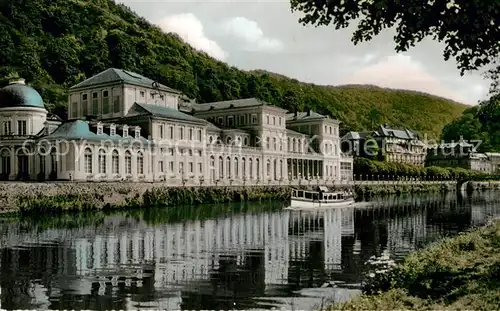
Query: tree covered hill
pixel 57 43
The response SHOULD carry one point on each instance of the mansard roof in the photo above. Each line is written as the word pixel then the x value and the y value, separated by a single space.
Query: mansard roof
pixel 80 130
pixel 159 111
pixel 119 75
pixel 385 131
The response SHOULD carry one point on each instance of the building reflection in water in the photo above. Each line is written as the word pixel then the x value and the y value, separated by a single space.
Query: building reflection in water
pixel 221 263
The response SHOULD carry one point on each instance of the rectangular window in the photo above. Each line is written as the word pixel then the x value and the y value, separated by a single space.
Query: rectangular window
pixel 74 109
pixel 274 120
pixel 21 127
pixel 254 119
pixel 85 105
pixel 128 164
pixel 105 102
pixel 88 163
pixel 171 151
pixel 116 104
pixel 268 143
pixel 142 94
pixel 171 166
pixel 191 167
pixel 7 128
pixel 171 132
pixel 160 166
pixel 95 104
pixel 199 135
pixel 190 134
pixel 181 133
pixel 280 120
pixel 200 168
pixel 160 130
pixel 230 121
pixel 268 120
pixel 102 163
pixel 242 120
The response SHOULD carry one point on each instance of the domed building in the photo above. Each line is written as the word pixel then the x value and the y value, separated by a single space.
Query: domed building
pixel 123 126
pixel 22 117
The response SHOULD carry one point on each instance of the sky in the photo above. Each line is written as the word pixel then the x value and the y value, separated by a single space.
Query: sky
pixel 266 35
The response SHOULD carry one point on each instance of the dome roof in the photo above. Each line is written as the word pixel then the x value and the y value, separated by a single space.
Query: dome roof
pixel 18 94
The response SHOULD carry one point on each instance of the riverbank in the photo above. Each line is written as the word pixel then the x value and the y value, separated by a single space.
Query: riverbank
pixel 57 197
pixel 457 273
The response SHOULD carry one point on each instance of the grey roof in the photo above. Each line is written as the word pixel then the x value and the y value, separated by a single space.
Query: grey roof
pixel 154 110
pixel 213 128
pixel 452 145
pixel 236 103
pixel 292 132
pixel 357 135
pixel 119 75
pixel 80 130
pixel 385 131
pixel 304 116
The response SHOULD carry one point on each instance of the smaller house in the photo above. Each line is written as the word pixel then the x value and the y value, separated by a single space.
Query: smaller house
pixel 458 154
pixel 393 145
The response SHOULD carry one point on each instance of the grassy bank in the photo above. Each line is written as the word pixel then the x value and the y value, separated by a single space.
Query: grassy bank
pixel 84 201
pixel 367 191
pixel 462 272
pixel 88 199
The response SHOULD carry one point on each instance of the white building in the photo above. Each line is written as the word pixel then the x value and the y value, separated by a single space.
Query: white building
pixel 123 126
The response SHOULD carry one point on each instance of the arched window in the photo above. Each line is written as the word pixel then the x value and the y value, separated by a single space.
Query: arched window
pixel 41 158
pixel 281 169
pixel 228 167
pixel 244 167
pixel 250 168
pixel 257 165
pixel 140 163
pixel 115 162
pixel 229 140
pixel 53 160
pixel 294 146
pixel 212 168
pixel 236 168
pixel 102 161
pixel 128 163
pixel 221 168
pixel 88 161
pixel 268 167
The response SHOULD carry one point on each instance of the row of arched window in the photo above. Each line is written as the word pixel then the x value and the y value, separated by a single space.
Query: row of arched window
pixel 102 165
pixel 228 167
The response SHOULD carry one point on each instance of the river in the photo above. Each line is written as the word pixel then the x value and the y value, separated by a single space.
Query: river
pixel 240 256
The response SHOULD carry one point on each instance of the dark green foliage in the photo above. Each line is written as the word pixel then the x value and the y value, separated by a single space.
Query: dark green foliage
pixel 156 197
pixel 55 44
pixel 377 170
pixel 479 123
pixel 459 273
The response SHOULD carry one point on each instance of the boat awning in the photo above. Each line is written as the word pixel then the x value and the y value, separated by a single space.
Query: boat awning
pixel 323 188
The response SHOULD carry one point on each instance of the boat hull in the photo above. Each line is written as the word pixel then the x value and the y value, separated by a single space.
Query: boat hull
pixel 312 205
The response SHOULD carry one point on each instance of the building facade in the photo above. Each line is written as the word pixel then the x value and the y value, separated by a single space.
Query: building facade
pixel 386 144
pixel 460 154
pixel 124 126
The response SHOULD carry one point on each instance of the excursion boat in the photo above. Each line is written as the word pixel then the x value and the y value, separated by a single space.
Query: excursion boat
pixel 323 197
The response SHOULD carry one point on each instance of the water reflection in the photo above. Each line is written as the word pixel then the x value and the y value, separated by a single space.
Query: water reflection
pixel 216 259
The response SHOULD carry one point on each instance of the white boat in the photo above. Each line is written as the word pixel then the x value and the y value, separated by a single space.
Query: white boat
pixel 320 199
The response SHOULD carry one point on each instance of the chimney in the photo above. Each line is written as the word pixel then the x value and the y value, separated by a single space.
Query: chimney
pixel 17 81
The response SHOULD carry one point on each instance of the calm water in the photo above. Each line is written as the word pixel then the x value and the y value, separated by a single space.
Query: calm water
pixel 209 258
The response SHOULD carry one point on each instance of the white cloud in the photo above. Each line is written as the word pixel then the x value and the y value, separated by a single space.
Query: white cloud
pixel 402 72
pixel 189 28
pixel 251 34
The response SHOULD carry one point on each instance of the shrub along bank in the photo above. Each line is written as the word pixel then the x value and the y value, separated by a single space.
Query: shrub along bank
pixel 459 273
pixel 371 169
pixel 82 201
